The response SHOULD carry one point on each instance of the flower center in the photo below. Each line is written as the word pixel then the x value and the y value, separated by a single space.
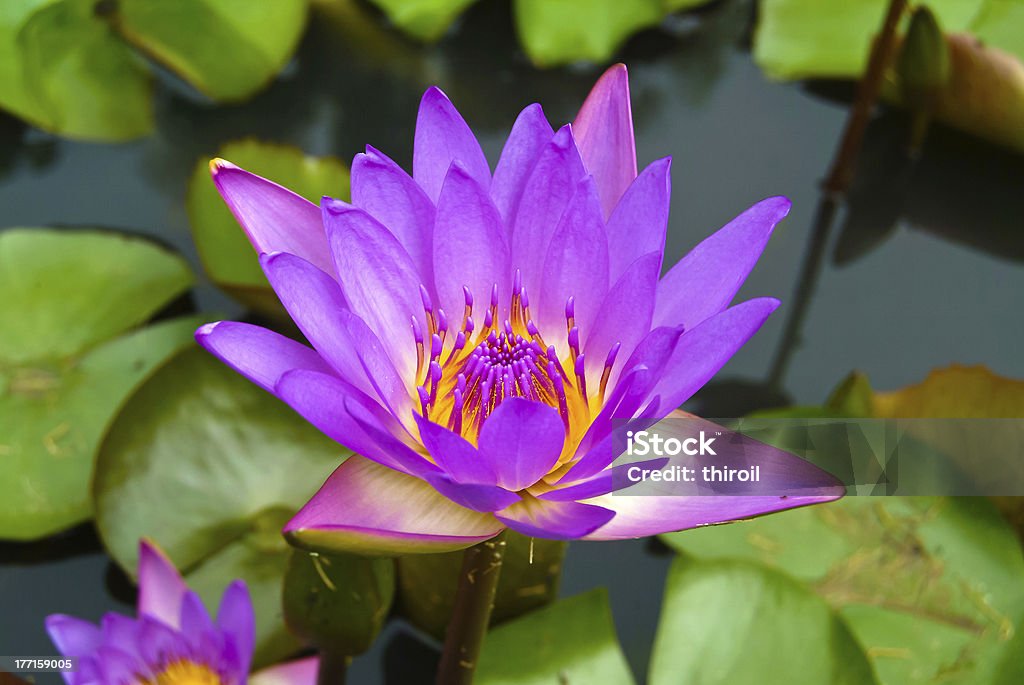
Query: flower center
pixel 184 672
pixel 463 376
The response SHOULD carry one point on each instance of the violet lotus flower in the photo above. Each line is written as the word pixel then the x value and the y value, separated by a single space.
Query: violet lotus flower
pixel 173 641
pixel 476 334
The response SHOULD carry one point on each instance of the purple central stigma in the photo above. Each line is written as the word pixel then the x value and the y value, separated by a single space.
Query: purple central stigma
pixel 460 384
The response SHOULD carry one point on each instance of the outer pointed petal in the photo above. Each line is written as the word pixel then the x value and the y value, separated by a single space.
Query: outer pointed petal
pixel 554 520
pixel 369 509
pixel 236 619
pixel 318 307
pixel 624 316
pixel 717 267
pixel 604 132
pixel 73 636
pixel 387 193
pixel 260 355
pixel 576 264
pixel 443 137
pixel 522 441
pixel 274 218
pixel 475 496
pixel 470 244
pixel 529 135
pixel 640 220
pixel 380 280
pixel 299 672
pixel 786 481
pixel 702 351
pixel 546 194
pixel 161 588
pixel 346 416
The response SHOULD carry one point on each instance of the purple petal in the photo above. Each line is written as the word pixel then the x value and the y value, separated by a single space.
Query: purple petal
pixel 73 636
pixel 235 618
pixel 529 135
pixel 638 224
pixel 554 520
pixel 624 316
pixel 455 455
pixel 470 244
pixel 522 441
pixel 318 307
pixel 161 588
pixel 274 218
pixel 546 194
pixel 442 138
pixel 299 672
pixel 117 666
pixel 704 282
pixel 702 351
pixel 195 620
pixel 604 132
pixel 387 193
pixel 122 631
pixel 605 481
pixel 348 417
pixel 260 355
pixel 475 496
pixel 158 643
pixel 370 509
pixel 576 264
pixel 380 280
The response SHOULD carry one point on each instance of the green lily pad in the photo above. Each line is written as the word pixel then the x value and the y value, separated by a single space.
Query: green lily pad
pixel 338 602
pixel 921 581
pixel 426 20
pixel 529 580
pixel 571 641
pixel 210 467
pixel 735 623
pixel 227 49
pixel 68 360
pixel 568 31
pixel 69 67
pixel 227 256
pixel 831 38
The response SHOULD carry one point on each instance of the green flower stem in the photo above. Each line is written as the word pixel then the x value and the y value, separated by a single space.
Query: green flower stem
pixel 332 669
pixel 474 600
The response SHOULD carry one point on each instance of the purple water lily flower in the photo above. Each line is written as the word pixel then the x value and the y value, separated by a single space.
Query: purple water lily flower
pixel 173 641
pixel 476 334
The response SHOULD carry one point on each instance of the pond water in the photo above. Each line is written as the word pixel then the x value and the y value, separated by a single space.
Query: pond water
pixel 922 270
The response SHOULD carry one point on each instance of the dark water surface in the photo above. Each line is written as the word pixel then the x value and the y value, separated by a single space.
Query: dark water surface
pixel 922 271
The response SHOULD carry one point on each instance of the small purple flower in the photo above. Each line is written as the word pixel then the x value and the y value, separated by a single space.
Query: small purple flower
pixel 173 641
pixel 475 334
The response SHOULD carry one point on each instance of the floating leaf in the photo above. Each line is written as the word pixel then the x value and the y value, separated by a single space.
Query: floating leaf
pixel 227 256
pixel 529 580
pixel 571 641
pixel 64 372
pixel 65 65
pixel 210 467
pixel 63 68
pixel 735 623
pixel 338 602
pixel 921 581
pixel 227 49
pixel 984 94
pixel 426 20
